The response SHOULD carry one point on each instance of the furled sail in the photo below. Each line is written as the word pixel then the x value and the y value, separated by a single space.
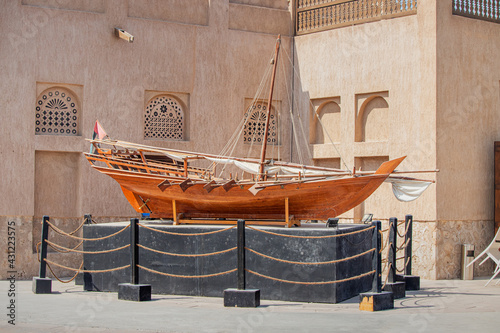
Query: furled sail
pixel 407 189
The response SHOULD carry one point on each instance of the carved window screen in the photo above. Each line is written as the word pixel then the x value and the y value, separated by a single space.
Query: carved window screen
pixel 164 119
pixel 57 112
pixel 255 125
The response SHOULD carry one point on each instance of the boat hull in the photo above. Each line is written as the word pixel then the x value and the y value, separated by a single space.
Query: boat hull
pixel 319 199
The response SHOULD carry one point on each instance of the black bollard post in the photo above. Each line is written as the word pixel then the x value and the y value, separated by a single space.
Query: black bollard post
pixel 377 258
pixel 134 291
pixel 398 288
pixel 391 257
pixel 241 297
pixel 412 281
pixel 134 250
pixel 42 284
pixel 376 299
pixel 408 240
pixel 241 255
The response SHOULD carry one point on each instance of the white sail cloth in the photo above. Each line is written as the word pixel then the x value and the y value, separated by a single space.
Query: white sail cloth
pixel 253 168
pixel 406 189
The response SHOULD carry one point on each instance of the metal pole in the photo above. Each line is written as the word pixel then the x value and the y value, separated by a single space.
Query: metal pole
pixel 408 241
pixel 43 247
pixel 241 255
pixel 134 249
pixel 393 231
pixel 377 258
pixel 88 218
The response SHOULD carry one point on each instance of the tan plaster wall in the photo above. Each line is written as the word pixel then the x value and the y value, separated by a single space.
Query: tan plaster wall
pixel 391 59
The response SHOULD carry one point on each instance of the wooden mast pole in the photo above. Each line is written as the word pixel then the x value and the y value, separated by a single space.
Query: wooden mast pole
pixel 269 104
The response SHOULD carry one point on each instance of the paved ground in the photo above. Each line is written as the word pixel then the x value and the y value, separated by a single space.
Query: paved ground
pixel 440 306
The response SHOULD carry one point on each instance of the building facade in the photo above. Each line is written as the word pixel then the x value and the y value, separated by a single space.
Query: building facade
pixel 385 78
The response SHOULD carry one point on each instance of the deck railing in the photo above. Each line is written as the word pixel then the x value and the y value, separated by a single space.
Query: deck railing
pixel 320 15
pixel 488 10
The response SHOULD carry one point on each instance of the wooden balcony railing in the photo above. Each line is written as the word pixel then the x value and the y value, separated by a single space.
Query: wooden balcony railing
pixel 488 10
pixel 320 15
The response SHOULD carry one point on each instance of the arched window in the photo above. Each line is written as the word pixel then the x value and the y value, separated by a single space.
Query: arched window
pixel 57 112
pixel 164 119
pixel 256 117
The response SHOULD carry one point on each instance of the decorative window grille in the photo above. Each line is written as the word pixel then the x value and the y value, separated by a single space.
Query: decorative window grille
pixel 164 119
pixel 255 125
pixel 57 112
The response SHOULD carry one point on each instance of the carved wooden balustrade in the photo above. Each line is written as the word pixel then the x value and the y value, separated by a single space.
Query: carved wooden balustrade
pixel 319 15
pixel 488 10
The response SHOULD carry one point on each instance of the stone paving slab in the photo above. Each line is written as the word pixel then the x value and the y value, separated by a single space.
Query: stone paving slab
pixel 440 306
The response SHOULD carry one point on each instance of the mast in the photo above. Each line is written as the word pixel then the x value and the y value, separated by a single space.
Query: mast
pixel 269 104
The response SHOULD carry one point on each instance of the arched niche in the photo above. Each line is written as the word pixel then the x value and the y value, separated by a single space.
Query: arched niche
pixel 372 118
pixel 327 127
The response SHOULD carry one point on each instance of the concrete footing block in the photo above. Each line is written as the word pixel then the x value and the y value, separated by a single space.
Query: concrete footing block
pixel 42 285
pixel 412 281
pixel 248 298
pixel 397 288
pixel 134 292
pixel 376 301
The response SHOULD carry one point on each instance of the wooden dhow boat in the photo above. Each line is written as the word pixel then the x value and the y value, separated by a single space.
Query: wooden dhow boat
pixel 163 183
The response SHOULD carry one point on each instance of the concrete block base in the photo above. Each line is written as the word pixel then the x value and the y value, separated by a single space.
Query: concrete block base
pixel 397 288
pixel 248 298
pixel 42 285
pixel 376 301
pixel 412 281
pixel 134 292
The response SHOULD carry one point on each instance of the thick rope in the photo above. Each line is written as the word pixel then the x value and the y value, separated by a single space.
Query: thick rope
pixel 403 246
pixel 405 232
pixel 64 281
pixel 87 270
pixel 310 263
pixel 59 231
pixel 187 276
pixel 61 249
pixel 314 237
pixel 311 283
pixel 186 255
pixel 53 245
pixel 184 234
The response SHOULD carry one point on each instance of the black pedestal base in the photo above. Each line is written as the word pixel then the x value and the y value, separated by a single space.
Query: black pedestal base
pixel 412 281
pixel 248 298
pixel 397 288
pixel 42 285
pixel 134 292
pixel 376 301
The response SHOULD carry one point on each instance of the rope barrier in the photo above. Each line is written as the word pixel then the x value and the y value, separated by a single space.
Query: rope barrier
pixel 406 230
pixel 58 248
pixel 186 255
pixel 310 263
pixel 187 276
pixel 59 231
pixel 310 237
pixel 184 234
pixel 64 281
pixel 85 252
pixel 382 248
pixel 311 283
pixel 403 246
pixel 87 270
